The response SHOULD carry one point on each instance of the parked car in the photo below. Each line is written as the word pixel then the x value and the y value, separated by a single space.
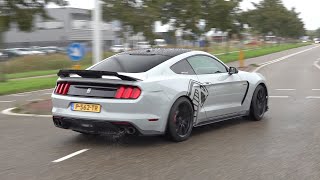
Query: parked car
pixel 118 48
pixel 143 45
pixel 3 56
pixel 27 51
pixel 156 92
pixel 160 43
pixel 15 52
pixel 317 40
pixel 46 50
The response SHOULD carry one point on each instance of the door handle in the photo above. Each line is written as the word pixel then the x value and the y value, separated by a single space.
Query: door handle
pixel 208 83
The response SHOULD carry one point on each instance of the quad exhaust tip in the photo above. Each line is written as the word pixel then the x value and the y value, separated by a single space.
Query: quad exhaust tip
pixel 131 130
pixel 127 130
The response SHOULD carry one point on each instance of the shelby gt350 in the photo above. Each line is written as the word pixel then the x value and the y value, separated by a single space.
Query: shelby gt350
pixel 156 92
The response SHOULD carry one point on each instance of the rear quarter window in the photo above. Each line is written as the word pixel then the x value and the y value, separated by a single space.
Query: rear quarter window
pixel 182 67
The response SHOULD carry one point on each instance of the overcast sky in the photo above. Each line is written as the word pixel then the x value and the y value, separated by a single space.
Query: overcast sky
pixel 309 9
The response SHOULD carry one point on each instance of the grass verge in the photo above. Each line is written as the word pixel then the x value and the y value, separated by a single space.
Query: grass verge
pixel 31 74
pixel 44 63
pixel 26 85
pixel 226 58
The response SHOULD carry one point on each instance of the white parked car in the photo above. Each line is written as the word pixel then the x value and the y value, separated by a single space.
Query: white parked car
pixel 47 50
pixel 18 52
pixel 26 51
pixel 143 45
pixel 160 43
pixel 118 48
pixel 317 40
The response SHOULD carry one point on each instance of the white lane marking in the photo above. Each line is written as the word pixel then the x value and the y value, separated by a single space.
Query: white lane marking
pixel 313 97
pixel 278 96
pixel 26 93
pixel 34 100
pixel 316 64
pixel 315 89
pixel 10 113
pixel 285 89
pixel 70 155
pixel 282 58
pixel 18 95
pixel 6 101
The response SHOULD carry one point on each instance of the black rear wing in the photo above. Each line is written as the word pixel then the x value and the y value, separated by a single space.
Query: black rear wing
pixel 94 74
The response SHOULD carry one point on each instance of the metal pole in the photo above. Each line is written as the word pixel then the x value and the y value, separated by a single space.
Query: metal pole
pixel 96 33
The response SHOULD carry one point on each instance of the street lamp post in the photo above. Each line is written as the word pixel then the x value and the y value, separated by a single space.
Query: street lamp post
pixel 96 32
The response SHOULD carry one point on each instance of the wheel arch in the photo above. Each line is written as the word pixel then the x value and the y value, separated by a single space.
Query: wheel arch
pixel 188 99
pixel 185 96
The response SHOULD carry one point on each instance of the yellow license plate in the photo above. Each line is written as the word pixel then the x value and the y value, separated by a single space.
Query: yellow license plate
pixel 86 107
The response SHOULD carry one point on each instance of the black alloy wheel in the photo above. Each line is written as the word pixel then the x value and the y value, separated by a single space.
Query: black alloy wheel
pixel 180 121
pixel 258 103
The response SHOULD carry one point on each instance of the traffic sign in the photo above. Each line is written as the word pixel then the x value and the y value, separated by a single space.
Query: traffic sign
pixel 76 51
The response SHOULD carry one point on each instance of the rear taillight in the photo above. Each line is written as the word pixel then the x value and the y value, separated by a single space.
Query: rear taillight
pixel 128 92
pixel 62 88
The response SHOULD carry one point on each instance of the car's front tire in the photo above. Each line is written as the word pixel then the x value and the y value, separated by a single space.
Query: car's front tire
pixel 180 120
pixel 258 103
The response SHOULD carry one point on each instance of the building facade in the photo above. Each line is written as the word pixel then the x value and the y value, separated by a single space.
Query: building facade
pixel 66 25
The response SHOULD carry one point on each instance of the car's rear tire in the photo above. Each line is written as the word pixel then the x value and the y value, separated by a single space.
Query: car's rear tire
pixel 258 103
pixel 180 120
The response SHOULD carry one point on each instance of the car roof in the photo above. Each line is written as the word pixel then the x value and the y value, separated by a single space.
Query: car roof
pixel 172 52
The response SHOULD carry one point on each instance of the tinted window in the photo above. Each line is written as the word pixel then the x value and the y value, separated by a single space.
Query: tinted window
pixel 206 65
pixel 130 63
pixel 182 67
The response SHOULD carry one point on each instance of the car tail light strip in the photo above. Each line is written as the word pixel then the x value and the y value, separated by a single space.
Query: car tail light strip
pixel 128 92
pixel 62 88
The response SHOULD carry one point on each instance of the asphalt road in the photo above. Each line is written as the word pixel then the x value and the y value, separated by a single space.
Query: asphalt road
pixel 284 145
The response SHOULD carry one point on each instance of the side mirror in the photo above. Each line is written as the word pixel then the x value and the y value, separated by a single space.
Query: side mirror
pixel 233 70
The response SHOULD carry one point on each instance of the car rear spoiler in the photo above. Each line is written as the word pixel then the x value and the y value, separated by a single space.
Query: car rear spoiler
pixel 94 74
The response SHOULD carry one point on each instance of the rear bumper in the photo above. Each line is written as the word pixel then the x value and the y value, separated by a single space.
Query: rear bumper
pixel 148 114
pixel 100 127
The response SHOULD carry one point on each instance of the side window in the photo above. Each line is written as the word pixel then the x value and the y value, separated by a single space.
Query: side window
pixel 206 65
pixel 182 67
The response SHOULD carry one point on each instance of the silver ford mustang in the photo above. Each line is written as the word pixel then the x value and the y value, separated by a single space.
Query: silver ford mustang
pixel 156 92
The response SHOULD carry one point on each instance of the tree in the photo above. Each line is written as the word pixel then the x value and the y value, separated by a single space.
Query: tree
pixel 221 14
pixel 139 15
pixel 188 13
pixel 21 12
pixel 272 16
pixel 317 33
pixel 182 14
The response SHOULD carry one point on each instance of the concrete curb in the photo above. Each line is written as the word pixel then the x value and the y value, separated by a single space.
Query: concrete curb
pixel 29 92
pixel 10 113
